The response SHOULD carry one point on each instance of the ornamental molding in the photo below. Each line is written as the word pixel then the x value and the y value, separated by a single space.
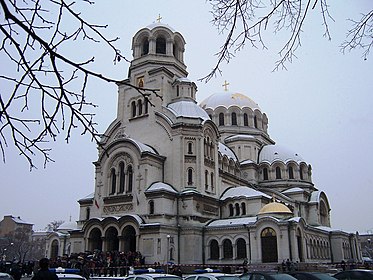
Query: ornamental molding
pixel 114 209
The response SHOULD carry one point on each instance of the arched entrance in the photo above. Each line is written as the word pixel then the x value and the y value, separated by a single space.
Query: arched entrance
pixel 129 238
pixel 94 240
pixel 269 245
pixel 54 249
pixel 111 238
pixel 300 245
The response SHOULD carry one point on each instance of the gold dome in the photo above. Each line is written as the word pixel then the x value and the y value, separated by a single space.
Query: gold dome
pixel 275 208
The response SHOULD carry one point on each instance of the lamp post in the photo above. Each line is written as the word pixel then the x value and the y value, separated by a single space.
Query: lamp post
pixel 168 250
pixel 3 253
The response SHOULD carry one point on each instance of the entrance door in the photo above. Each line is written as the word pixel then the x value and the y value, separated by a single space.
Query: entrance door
pixel 269 246
pixel 129 236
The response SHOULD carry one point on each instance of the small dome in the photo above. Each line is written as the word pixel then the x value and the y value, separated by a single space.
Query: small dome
pixel 159 24
pixel 272 153
pixel 275 208
pixel 228 99
pixel 187 109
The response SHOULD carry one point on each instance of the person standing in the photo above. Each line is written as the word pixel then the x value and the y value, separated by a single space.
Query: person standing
pixel 44 273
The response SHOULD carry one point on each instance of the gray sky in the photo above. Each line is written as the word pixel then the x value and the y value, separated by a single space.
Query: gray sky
pixel 320 108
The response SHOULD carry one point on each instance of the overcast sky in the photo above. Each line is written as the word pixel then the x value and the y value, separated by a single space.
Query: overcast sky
pixel 321 108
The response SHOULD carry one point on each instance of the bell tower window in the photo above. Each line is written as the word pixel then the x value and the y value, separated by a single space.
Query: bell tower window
pixel 145 47
pixel 161 45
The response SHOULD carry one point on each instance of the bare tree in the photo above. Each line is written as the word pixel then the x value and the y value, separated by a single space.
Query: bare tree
pixel 53 226
pixel 246 21
pixel 32 35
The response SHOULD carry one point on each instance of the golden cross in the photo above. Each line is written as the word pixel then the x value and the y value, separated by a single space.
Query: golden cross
pixel 225 85
pixel 159 18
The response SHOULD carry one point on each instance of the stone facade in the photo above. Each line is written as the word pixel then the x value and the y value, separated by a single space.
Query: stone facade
pixel 200 184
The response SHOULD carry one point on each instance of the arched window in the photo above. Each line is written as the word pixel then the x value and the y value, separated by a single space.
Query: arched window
pixel 227 249
pixel 214 250
pixel 231 210
pixel 278 172
pixel 146 105
pixel 190 176
pixel 234 118
pixel 190 148
pixel 145 47
pixel 161 45
pixel 237 207
pixel 139 105
pixel 130 178
pixel 265 173
pixel 221 119
pixel 212 181
pixel 133 109
pixel 151 207
pixel 245 120
pixel 301 172
pixel 113 177
pixel 243 208
pixel 206 179
pixel 291 172
pixel 241 248
pixel 255 122
pixel 122 177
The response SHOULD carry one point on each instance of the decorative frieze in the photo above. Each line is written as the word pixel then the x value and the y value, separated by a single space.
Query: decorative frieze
pixel 114 209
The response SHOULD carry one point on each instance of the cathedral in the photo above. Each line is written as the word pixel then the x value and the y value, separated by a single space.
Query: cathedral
pixel 199 183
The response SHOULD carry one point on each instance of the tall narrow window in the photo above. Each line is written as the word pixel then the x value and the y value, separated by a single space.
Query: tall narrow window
pixel 241 248
pixel 255 122
pixel 237 207
pixel 291 172
pixel 87 213
pixel 243 208
pixel 122 177
pixel 190 176
pixel 133 109
pixel 146 105
pixel 212 181
pixel 265 174
pixel 145 47
pixel 206 179
pixel 227 249
pixel 301 172
pixel 231 210
pixel 278 172
pixel 214 250
pixel 221 119
pixel 130 178
pixel 177 90
pixel 139 105
pixel 151 207
pixel 161 45
pixel 234 118
pixel 190 148
pixel 113 177
pixel 245 120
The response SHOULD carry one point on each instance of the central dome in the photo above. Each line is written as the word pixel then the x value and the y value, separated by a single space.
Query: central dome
pixel 228 99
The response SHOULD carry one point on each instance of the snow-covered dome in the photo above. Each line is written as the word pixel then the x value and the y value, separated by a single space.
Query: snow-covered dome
pixel 242 191
pixel 159 24
pixel 228 99
pixel 67 226
pixel 272 153
pixel 187 109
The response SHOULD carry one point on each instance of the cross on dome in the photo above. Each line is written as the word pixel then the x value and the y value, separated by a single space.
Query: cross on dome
pixel 159 18
pixel 225 85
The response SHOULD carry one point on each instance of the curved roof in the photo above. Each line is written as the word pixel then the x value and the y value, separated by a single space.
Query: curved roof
pixel 143 147
pixel 226 151
pixel 228 99
pixel 160 186
pixel 272 153
pixel 242 191
pixel 275 208
pixel 68 226
pixel 188 109
pixel 159 24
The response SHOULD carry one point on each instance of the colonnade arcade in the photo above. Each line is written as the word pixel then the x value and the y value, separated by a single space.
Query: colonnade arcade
pixel 112 236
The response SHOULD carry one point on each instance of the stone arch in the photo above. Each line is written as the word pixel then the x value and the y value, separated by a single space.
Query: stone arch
pixel 214 253
pixel 55 247
pixel 129 238
pixel 94 239
pixel 269 245
pixel 111 239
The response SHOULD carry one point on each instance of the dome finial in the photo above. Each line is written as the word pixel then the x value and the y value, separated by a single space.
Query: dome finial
pixel 225 85
pixel 159 18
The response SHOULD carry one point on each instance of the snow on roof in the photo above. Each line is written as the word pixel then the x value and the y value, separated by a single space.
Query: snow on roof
pixel 242 191
pixel 143 147
pixel 68 226
pixel 238 137
pixel 232 222
pixel 190 190
pixel 226 151
pixel 159 24
pixel 315 196
pixel 160 186
pixel 18 220
pixel 183 79
pixel 188 109
pixel 228 99
pixel 293 190
pixel 272 153
pixel 247 161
